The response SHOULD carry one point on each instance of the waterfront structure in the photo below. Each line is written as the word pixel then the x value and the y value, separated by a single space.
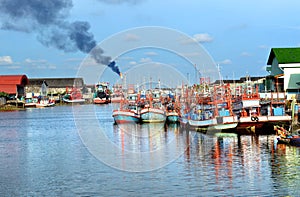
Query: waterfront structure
pixel 14 85
pixel 284 67
pixel 55 86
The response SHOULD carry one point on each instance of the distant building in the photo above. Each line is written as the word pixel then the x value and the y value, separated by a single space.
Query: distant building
pixel 284 68
pixel 14 85
pixel 236 84
pixel 55 86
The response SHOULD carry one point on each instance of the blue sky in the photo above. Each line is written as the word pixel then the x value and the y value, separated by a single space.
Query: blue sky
pixel 238 35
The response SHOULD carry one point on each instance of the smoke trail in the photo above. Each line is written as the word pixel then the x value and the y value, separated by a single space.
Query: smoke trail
pixel 33 13
pixel 114 67
pixel 48 19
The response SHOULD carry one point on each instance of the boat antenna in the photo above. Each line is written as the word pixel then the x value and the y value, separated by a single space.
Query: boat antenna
pixel 220 76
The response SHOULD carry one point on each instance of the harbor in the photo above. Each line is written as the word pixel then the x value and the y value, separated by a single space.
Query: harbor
pixel 63 137
pixel 44 155
pixel 244 107
pixel 149 98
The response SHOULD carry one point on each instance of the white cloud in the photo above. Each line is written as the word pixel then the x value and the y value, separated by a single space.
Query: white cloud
pixel 145 60
pixel 198 38
pixel 30 61
pixel 132 63
pixel 226 61
pixel 14 67
pixel 151 53
pixel 132 37
pixel 263 47
pixel 6 60
pixel 246 54
pixel 204 37
pixel 39 64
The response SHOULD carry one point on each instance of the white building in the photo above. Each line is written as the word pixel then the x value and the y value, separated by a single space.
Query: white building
pixel 284 66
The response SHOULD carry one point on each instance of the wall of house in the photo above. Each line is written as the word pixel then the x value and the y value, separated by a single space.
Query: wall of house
pixel 291 76
pixel 275 69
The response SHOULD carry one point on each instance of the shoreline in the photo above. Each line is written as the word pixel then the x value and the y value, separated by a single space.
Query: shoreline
pixel 8 108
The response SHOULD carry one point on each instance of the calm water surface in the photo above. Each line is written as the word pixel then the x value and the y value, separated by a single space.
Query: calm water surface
pixel 41 154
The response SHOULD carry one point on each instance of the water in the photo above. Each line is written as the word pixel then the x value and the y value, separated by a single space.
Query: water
pixel 41 154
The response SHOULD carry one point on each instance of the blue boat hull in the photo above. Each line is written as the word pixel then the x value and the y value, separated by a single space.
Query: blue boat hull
pixel 123 116
pixel 126 119
pixel 173 118
pixel 153 115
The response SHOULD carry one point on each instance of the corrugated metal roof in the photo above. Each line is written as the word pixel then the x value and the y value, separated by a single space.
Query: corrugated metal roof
pixel 10 88
pixel 9 83
pixel 14 80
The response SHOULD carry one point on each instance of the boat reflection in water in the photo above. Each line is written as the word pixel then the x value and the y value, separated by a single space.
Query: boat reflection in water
pixel 146 137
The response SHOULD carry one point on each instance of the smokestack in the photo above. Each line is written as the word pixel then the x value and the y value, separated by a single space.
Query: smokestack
pixel 48 20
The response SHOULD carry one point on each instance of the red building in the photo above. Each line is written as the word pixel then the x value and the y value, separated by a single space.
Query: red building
pixel 13 84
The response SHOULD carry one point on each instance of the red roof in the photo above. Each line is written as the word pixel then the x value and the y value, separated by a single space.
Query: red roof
pixel 9 83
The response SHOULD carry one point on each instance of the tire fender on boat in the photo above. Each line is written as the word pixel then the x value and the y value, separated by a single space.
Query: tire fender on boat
pixel 254 118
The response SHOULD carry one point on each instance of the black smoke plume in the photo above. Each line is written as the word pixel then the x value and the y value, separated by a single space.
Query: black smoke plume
pixel 48 19
pixel 114 67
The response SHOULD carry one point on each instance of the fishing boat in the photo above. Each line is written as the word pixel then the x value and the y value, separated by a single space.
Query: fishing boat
pixel 116 95
pixel 40 101
pixel 129 111
pixel 45 103
pixel 30 101
pixel 73 96
pixel 257 111
pixel 153 114
pixel 172 107
pixel 172 116
pixel 153 111
pixel 102 93
pixel 213 112
pixel 284 137
pixel 126 114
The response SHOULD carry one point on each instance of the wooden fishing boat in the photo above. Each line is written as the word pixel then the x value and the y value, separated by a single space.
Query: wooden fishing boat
pixel 152 115
pixel 102 94
pixel 257 112
pixel 284 137
pixel 212 112
pixel 172 116
pixel 116 95
pixel 129 111
pixel 153 110
pixel 126 114
pixel 41 101
pixel 172 107
pixel 73 96
pixel 45 103
pixel 30 102
pixel 116 98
